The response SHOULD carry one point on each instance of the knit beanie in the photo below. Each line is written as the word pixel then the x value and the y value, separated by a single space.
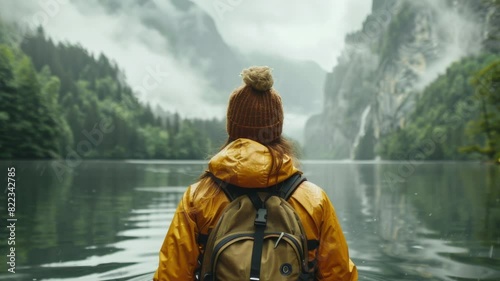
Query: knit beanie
pixel 255 110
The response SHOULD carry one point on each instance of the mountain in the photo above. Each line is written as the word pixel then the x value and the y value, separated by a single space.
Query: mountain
pixel 386 68
pixel 191 36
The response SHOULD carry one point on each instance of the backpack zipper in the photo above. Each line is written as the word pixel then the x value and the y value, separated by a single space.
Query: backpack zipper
pixel 279 238
pixel 223 242
pixel 290 238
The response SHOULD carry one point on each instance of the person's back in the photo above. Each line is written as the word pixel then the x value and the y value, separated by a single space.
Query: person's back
pixel 255 156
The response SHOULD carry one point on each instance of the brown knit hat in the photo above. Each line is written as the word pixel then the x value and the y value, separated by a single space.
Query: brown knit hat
pixel 255 110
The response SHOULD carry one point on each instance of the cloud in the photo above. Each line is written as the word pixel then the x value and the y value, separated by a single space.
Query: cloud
pixel 158 76
pixel 159 44
pixel 296 30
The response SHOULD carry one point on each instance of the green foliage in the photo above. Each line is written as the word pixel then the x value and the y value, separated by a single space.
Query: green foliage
pixel 30 124
pixel 214 130
pixel 487 125
pixel 437 127
pixel 59 101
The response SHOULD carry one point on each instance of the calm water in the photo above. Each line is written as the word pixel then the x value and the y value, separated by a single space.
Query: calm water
pixel 107 220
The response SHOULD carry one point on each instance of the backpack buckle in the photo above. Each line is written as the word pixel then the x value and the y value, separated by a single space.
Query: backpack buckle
pixel 261 217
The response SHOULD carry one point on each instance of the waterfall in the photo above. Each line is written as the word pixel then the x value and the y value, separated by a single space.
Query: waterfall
pixel 362 131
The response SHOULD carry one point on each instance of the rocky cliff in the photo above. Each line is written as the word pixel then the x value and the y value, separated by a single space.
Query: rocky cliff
pixel 402 47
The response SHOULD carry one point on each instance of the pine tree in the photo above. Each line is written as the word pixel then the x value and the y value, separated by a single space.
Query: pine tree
pixel 487 91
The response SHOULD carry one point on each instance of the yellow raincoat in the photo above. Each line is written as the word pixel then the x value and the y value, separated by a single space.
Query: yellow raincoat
pixel 246 163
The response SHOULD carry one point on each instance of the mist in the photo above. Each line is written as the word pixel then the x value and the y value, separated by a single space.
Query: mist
pixel 106 137
pixel 459 35
pixel 296 30
pixel 186 56
pixel 143 53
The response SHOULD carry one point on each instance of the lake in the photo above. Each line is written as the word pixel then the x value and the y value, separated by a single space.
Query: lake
pixel 106 220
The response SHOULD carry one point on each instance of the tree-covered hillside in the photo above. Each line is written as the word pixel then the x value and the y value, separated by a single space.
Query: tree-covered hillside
pixel 437 128
pixel 59 101
pixel 404 79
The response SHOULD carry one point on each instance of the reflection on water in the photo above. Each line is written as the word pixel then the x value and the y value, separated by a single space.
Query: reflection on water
pixel 107 220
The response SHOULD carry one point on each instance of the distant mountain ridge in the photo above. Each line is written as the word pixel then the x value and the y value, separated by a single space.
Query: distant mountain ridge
pixel 193 35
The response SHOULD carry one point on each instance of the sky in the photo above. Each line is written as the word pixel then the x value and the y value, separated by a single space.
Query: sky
pixel 299 30
pixel 308 31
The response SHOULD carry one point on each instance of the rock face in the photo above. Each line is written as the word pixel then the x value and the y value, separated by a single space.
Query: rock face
pixel 402 47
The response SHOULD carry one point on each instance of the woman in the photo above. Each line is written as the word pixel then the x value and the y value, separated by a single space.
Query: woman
pixel 255 156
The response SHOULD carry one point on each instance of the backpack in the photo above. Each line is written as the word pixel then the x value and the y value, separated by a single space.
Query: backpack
pixel 258 236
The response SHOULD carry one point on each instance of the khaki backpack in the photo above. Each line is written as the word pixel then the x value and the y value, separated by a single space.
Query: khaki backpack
pixel 259 236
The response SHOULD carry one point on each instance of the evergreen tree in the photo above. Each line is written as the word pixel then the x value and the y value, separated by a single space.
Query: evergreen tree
pixel 29 117
pixel 436 129
pixel 487 92
pixel 54 96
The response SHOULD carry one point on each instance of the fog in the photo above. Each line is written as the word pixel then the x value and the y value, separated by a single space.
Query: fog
pixel 460 36
pixel 186 56
pixel 295 30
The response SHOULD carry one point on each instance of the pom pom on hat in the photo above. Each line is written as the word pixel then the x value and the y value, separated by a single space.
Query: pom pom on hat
pixel 255 110
pixel 258 77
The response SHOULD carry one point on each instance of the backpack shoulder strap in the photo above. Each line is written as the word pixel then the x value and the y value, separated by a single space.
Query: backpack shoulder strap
pixel 232 191
pixel 287 187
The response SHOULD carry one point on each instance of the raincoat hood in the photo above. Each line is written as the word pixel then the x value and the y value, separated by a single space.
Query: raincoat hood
pixel 247 163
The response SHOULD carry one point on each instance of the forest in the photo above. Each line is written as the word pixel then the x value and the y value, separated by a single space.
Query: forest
pixel 457 117
pixel 418 81
pixel 59 101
